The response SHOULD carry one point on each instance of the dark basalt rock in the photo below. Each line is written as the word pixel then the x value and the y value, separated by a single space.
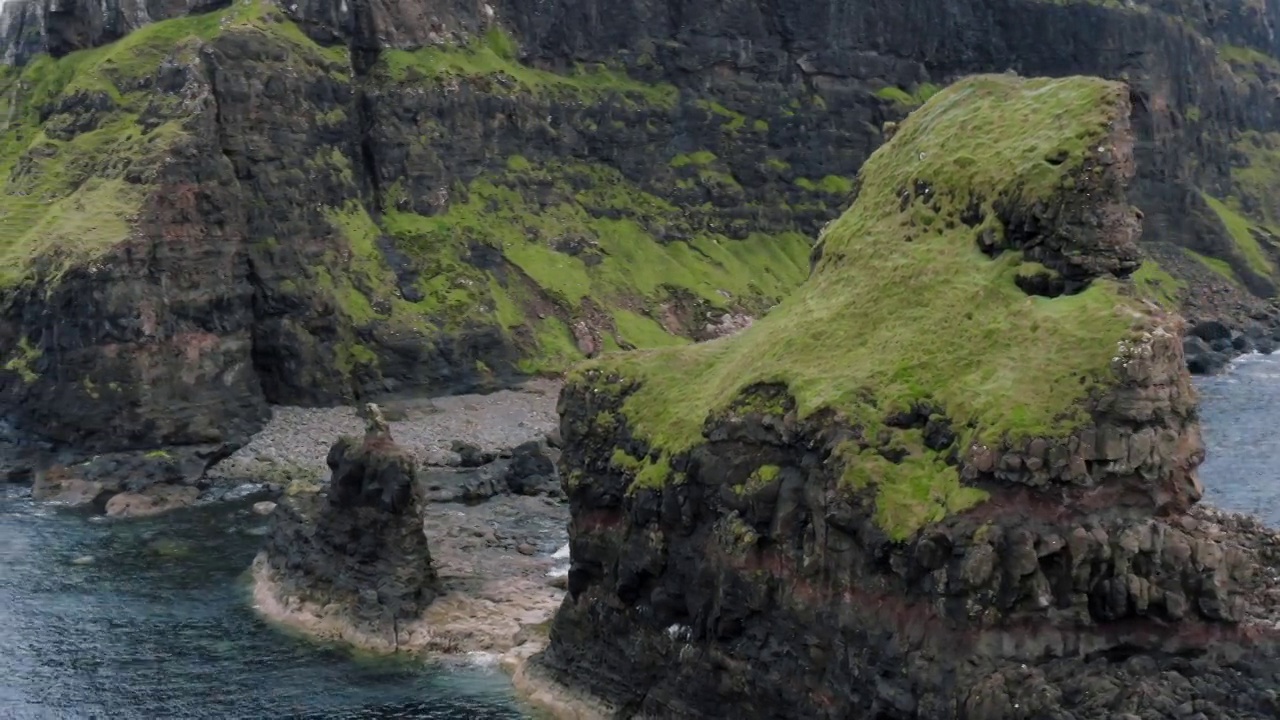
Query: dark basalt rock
pixel 359 543
pixel 189 333
pixel 530 470
pixel 756 578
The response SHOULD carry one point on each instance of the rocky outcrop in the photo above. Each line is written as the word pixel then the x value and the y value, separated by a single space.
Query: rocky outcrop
pixel 460 195
pixel 126 484
pixel 359 546
pixel 953 476
pixel 350 560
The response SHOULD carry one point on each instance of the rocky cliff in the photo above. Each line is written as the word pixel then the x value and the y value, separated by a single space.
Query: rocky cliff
pixel 952 476
pixel 208 207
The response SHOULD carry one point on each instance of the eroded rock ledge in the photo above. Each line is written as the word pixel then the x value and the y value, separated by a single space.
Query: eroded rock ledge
pixel 922 487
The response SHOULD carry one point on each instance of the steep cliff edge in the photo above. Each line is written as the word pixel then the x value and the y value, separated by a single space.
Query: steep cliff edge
pixel 952 476
pixel 208 207
pixel 181 250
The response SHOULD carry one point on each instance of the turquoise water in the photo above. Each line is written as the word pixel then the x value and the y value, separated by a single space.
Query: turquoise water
pixel 153 628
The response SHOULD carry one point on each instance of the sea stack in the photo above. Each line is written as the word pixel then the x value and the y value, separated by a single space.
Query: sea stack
pixel 351 561
pixel 952 476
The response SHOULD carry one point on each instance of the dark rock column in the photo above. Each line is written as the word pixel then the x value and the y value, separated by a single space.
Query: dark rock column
pixel 359 544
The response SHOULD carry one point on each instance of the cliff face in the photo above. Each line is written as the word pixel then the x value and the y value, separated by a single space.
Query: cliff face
pixel 953 476
pixel 210 207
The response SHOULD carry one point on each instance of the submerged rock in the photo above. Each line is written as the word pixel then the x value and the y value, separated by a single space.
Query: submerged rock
pixel 356 552
pixel 152 501
pixel 923 486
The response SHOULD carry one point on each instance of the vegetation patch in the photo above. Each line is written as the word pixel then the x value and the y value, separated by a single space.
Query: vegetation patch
pixel 1219 267
pixel 759 479
pixel 1154 283
pixel 831 184
pixel 1239 229
pixel 77 160
pixel 1256 182
pixel 896 313
pixel 495 56
pixel 1248 61
pixel 918 490
pixel 594 240
pixel 21 361
pixel 640 331
pixel 918 96
pixel 731 121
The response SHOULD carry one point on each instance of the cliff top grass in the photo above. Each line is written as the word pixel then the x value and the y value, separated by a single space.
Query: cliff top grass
pixel 72 195
pixel 904 306
pixel 494 54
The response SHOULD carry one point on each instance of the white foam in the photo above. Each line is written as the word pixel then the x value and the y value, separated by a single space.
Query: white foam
pixel 479 658
pixel 562 553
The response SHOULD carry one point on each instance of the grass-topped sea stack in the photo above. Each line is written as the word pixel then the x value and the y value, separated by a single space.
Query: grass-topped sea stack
pixel 955 463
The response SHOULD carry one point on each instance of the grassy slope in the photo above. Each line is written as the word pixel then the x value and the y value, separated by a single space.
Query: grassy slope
pixel 905 306
pixel 73 195
pixel 70 198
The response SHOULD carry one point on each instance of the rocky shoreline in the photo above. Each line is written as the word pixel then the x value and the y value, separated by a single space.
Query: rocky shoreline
pixel 426 545
pixel 495 553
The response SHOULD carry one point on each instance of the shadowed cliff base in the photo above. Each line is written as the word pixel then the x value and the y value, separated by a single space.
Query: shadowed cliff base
pixel 952 476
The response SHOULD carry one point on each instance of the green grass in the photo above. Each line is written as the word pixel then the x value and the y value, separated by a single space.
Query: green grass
pixel 632 265
pixel 931 318
pixel 699 158
pixel 831 184
pixel 1261 176
pixel 1219 267
pixel 1247 58
pixel 641 331
pixel 1238 227
pixel 918 96
pixel 556 348
pixel 66 196
pixel 920 490
pixel 494 55
pixel 1154 283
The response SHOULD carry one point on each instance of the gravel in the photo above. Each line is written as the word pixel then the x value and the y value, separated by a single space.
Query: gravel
pixel 298 439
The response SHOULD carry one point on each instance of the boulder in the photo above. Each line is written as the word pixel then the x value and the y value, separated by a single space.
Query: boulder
pixel 1210 330
pixel 152 501
pixel 532 471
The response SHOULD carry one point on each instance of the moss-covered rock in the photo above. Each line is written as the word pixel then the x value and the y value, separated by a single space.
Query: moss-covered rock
pixel 380 236
pixel 920 298
pixel 926 466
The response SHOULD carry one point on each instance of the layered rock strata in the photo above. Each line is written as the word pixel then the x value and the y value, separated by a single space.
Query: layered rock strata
pixel 460 193
pixel 953 476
